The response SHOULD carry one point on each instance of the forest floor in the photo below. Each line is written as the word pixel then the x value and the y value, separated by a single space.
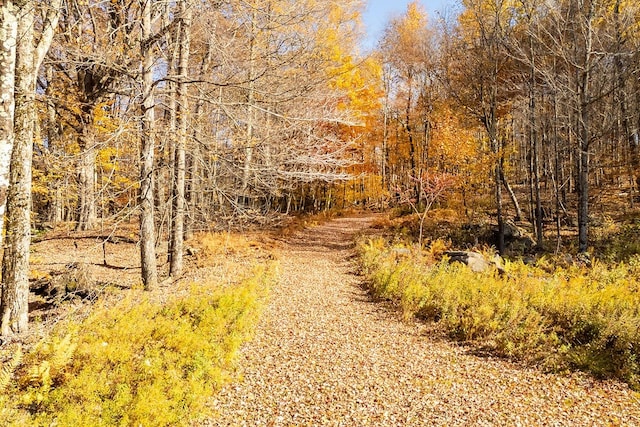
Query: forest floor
pixel 326 354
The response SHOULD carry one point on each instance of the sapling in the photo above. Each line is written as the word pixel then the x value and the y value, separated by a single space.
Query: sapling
pixel 431 187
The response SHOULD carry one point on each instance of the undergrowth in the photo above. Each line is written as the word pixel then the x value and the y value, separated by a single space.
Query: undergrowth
pixel 562 318
pixel 140 362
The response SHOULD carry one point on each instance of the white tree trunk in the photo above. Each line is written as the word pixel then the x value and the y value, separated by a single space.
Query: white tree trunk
pixel 8 39
pixel 15 263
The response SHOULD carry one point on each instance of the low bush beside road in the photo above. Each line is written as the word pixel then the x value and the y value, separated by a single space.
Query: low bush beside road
pixel 565 317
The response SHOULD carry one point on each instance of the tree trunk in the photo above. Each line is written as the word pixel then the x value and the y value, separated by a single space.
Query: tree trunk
pixel 512 195
pixel 8 36
pixel 385 135
pixel 15 263
pixel 14 302
pixel 87 211
pixel 535 147
pixel 583 179
pixel 248 149
pixel 177 235
pixel 412 149
pixel 584 142
pixel 54 185
pixel 147 224
pixel 498 193
pixel 197 184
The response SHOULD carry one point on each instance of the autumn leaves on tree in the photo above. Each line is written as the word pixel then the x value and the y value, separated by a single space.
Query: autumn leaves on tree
pixel 185 113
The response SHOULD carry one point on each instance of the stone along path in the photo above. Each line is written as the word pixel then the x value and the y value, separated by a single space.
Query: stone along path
pixel 325 355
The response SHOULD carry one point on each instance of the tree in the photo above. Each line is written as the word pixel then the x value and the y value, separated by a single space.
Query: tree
pixel 147 143
pixel 91 58
pixel 182 114
pixel 434 187
pixel 8 41
pixel 408 52
pixel 583 53
pixel 15 265
pixel 8 36
pixel 477 73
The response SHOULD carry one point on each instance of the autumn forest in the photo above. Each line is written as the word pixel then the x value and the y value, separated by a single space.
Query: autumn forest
pixel 497 121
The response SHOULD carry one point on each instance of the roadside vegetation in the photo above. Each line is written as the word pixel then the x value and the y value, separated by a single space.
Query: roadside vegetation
pixel 141 358
pixel 554 311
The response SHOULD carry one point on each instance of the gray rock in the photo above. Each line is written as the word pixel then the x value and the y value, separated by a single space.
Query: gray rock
pixel 474 260
pixel 400 253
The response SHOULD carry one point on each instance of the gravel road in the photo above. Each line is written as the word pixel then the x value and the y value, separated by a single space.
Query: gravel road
pixel 325 355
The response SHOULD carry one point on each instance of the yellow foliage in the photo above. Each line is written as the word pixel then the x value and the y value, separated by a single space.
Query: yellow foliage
pixel 577 318
pixel 138 362
pixel 8 368
pixel 359 80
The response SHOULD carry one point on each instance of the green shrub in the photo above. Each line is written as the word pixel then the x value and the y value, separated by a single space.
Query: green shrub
pixel 572 318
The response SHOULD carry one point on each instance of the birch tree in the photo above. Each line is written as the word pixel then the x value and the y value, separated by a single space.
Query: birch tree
pixel 8 40
pixel 15 266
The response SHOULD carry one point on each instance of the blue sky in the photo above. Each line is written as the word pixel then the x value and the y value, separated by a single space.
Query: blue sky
pixel 378 12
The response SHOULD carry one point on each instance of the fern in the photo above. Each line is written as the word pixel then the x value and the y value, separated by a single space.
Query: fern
pixel 63 351
pixel 8 368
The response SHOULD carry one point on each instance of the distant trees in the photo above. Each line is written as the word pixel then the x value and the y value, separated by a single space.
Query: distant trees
pixel 226 125
pixel 408 53
pixel 551 88
pixel 577 59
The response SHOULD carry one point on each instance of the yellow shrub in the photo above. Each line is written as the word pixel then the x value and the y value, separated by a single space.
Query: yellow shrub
pixel 586 319
pixel 140 362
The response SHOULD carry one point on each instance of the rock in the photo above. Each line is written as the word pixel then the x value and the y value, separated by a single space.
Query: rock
pixel 74 280
pixel 190 251
pixel 518 237
pixel 512 231
pixel 475 261
pixel 584 259
pixel 400 253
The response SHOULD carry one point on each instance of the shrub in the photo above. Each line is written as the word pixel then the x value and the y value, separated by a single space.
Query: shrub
pixel 571 318
pixel 138 362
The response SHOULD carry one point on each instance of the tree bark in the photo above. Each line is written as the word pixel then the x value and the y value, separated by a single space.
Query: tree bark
pixel 512 195
pixel 535 146
pixel 147 224
pixel 8 39
pixel 87 209
pixel 248 149
pixel 13 309
pixel 584 143
pixel 15 263
pixel 177 236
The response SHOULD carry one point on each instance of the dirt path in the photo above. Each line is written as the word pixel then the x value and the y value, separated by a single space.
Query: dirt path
pixel 324 355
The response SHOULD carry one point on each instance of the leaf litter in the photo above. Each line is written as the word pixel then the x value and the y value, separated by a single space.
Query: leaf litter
pixel 326 355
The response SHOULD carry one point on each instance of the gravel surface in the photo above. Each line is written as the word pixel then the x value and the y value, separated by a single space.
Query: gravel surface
pixel 325 355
